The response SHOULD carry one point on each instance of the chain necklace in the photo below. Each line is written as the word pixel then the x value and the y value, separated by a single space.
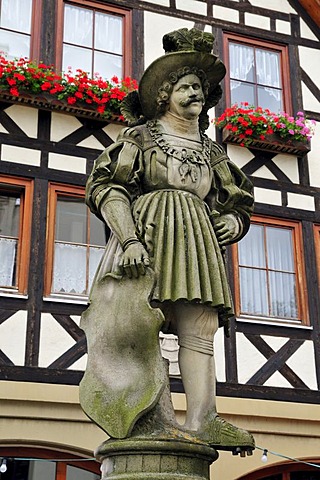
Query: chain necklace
pixel 189 158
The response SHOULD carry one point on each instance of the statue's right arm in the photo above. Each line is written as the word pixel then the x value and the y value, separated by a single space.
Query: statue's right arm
pixel 116 212
pixel 112 185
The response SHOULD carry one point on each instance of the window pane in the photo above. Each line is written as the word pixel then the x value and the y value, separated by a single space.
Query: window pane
pixel 94 260
pixel 108 33
pixel 97 231
pixel 283 295
pixel 16 15
pixel 78 26
pixel 280 249
pixel 71 220
pixel 39 470
pixel 268 68
pixel 69 270
pixel 76 57
pixel 14 45
pixel 253 291
pixel 270 98
pixel 74 473
pixel 107 65
pixel 8 255
pixel 241 62
pixel 9 215
pixel 251 248
pixel 241 92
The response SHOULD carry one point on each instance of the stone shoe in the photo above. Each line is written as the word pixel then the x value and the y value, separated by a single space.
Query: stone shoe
pixel 220 434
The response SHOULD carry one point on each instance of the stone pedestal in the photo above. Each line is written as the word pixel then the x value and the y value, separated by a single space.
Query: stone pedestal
pixel 137 459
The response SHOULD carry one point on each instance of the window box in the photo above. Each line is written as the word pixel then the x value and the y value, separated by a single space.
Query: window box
pixel 49 102
pixel 272 143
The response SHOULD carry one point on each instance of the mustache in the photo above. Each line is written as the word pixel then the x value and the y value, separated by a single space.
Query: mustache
pixel 196 98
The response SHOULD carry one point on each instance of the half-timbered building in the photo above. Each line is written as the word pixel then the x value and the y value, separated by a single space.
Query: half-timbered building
pixel 268 370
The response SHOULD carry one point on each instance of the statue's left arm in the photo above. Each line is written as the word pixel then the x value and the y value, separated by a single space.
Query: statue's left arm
pixel 231 198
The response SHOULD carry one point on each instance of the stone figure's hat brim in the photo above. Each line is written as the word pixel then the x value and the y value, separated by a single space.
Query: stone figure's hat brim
pixel 160 69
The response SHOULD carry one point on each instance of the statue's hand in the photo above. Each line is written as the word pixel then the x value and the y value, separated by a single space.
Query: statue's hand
pixel 226 229
pixel 134 260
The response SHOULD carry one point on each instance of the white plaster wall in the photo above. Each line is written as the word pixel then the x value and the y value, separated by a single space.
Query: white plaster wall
pixel 224 13
pixel 313 159
pixel 282 5
pixel 155 26
pixel 306 32
pixel 54 340
pixel 13 337
pixel 289 165
pixel 270 197
pixel 68 163
pixel 283 27
pixel 219 355
pixel 91 142
pixel 25 117
pixel 112 130
pixel 303 364
pixel 239 155
pixel 304 202
pixel 62 125
pixel 193 6
pixel 264 172
pixel 257 21
pixel 26 156
pixel 249 359
pixel 310 62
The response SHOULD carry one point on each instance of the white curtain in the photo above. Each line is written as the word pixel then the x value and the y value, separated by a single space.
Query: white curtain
pixel 268 291
pixel 108 33
pixel 8 251
pixel 241 62
pixel 16 15
pixel 69 271
pixel 268 68
pixel 78 24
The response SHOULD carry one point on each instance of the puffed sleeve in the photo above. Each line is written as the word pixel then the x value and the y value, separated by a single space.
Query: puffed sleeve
pixel 119 167
pixel 232 191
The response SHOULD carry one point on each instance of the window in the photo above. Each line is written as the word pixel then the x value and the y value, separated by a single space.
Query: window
pixel 39 464
pixel 258 73
pixel 94 38
pixel 270 281
pixel 18 27
pixel 76 241
pixel 15 231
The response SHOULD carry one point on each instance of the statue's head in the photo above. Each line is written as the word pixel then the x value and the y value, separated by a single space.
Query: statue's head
pixel 184 92
pixel 188 53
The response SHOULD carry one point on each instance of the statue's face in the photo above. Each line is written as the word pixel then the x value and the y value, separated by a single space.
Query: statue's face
pixel 187 97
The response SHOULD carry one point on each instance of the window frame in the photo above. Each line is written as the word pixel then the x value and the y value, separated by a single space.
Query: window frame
pixel 301 287
pixel 112 9
pixel 35 32
pixel 267 45
pixel 24 238
pixel 316 231
pixel 56 190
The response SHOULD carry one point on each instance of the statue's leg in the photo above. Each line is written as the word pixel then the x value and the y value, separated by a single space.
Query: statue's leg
pixel 196 326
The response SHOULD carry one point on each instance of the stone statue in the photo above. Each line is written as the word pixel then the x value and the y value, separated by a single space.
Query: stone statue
pixel 173 201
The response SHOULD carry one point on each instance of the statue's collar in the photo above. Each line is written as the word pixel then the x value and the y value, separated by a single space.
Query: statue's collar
pixel 179 126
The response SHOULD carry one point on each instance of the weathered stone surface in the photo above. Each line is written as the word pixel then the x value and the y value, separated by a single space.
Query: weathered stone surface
pixel 137 459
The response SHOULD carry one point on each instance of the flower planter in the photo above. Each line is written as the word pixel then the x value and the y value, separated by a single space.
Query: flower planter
pixel 272 143
pixel 49 102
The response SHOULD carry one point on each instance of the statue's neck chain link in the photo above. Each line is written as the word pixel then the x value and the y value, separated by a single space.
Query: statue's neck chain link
pixel 190 159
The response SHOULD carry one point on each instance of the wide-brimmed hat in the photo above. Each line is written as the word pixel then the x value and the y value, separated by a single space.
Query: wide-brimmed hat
pixel 184 48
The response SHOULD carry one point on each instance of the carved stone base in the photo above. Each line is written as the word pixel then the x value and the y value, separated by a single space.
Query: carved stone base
pixel 137 459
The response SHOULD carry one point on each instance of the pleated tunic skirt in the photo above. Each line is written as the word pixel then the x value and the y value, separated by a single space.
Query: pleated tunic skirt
pixel 176 230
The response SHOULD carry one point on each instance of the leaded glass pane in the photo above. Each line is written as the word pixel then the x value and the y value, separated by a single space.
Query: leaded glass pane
pixel 251 248
pixel 78 23
pixel 108 33
pixel 77 57
pixel 253 292
pixel 71 220
pixel 14 45
pixel 283 295
pixel 280 249
pixel 270 98
pixel 16 15
pixel 241 62
pixel 107 65
pixel 69 271
pixel 241 92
